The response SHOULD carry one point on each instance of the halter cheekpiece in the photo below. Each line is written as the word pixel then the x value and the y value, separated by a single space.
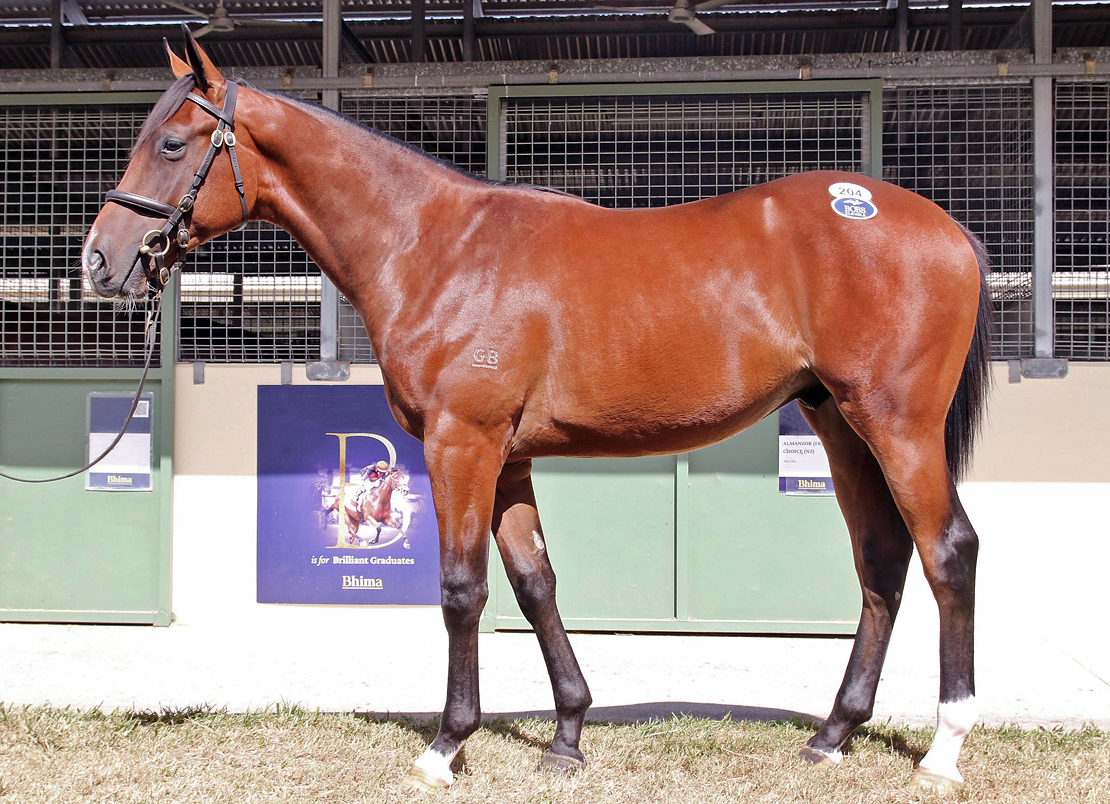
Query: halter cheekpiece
pixel 222 137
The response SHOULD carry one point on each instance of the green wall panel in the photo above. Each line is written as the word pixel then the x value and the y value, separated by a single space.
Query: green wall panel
pixel 609 527
pixel 758 555
pixel 67 554
pixel 701 542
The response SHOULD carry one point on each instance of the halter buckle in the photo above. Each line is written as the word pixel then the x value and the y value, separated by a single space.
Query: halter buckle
pixel 183 237
pixel 186 202
pixel 217 138
pixel 229 139
pixel 147 240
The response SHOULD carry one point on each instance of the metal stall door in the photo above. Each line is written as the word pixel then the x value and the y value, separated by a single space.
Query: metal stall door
pixel 700 542
pixel 68 554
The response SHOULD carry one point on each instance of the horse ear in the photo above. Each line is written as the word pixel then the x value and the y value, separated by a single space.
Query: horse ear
pixel 200 65
pixel 179 66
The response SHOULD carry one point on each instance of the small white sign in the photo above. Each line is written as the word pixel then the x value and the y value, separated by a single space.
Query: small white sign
pixel 130 465
pixel 845 189
pixel 804 466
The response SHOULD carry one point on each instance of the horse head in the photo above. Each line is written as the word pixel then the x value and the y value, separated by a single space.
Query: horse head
pixel 154 217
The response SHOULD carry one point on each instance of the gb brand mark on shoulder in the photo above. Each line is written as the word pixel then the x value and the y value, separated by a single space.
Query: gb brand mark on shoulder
pixel 485 358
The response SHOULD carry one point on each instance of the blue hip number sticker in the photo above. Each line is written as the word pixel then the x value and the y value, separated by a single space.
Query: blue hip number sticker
pixel 854 208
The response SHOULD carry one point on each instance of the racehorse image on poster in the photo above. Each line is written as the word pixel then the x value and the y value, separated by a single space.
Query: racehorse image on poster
pixel 379 498
pixel 512 323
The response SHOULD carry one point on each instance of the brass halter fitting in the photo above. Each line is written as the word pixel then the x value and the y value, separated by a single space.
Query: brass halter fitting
pixel 148 239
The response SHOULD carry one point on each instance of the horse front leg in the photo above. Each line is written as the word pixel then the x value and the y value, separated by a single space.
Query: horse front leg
pixel 463 467
pixel 516 527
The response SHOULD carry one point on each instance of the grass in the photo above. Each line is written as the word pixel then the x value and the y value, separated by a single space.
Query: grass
pixel 204 756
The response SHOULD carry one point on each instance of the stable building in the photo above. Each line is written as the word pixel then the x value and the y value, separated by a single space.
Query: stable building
pixel 999 113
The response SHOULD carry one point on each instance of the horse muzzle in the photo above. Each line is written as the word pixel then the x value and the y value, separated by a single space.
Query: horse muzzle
pixel 115 273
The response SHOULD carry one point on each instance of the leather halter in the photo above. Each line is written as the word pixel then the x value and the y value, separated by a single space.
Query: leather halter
pixel 224 135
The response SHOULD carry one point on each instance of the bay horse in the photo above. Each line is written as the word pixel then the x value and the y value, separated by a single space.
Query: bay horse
pixel 512 323
pixel 375 507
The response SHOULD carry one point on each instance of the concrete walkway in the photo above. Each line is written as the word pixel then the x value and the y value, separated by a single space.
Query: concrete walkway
pixel 1027 679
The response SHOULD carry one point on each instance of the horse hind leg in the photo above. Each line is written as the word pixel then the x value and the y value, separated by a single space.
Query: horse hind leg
pixel 948 557
pixel 516 527
pixel 912 453
pixel 881 547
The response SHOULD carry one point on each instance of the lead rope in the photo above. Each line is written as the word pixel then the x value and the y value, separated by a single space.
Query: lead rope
pixel 151 336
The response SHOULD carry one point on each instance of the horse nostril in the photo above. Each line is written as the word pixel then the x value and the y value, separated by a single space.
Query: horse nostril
pixel 96 265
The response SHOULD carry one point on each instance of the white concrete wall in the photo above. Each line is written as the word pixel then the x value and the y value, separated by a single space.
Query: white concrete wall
pixel 1037 496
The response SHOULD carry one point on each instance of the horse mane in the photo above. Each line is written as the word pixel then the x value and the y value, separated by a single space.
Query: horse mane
pixel 378 134
pixel 172 98
pixel 163 110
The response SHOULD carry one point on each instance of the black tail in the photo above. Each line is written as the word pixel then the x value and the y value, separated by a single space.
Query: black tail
pixel 965 417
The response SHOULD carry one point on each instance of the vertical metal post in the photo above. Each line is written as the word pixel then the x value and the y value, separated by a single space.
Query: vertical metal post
pixel 955 24
pixel 865 143
pixel 1042 31
pixel 902 25
pixel 873 138
pixel 417 53
pixel 57 40
pixel 1043 211
pixel 468 30
pixel 329 294
pixel 682 536
pixel 330 46
pixel 494 126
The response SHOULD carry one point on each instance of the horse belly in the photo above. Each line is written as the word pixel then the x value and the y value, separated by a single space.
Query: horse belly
pixel 669 400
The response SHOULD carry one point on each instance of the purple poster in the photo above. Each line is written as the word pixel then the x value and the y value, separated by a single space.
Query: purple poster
pixel 345 511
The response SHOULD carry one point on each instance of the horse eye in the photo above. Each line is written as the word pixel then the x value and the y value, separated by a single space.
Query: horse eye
pixel 172 148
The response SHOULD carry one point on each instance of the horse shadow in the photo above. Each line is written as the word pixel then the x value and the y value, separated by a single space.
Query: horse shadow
pixel 504 724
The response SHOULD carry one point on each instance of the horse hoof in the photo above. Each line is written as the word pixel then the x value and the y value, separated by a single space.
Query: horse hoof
pixel 420 779
pixel 558 763
pixel 927 780
pixel 818 757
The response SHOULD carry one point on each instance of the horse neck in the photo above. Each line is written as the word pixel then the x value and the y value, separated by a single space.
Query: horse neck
pixel 353 199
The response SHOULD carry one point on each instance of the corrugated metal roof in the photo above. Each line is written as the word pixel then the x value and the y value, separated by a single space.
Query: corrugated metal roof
pixel 519 30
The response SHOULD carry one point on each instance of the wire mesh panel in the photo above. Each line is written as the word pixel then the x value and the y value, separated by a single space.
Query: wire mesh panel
pixel 451 127
pixel 250 297
pixel 56 164
pixel 969 148
pixel 646 151
pixel 1081 278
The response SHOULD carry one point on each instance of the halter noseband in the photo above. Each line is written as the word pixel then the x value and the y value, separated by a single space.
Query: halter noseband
pixel 175 216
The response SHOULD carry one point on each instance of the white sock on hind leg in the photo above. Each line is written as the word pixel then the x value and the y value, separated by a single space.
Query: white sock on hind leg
pixel 955 720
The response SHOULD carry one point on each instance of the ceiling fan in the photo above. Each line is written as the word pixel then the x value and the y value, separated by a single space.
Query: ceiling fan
pixel 219 21
pixel 685 13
